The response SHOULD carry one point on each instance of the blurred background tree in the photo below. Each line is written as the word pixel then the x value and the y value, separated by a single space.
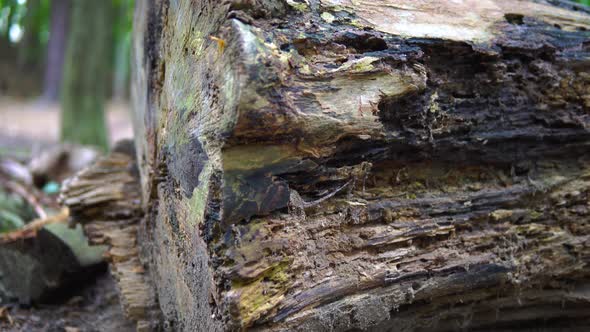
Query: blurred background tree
pixel 74 49
pixel 85 73
pixel 59 23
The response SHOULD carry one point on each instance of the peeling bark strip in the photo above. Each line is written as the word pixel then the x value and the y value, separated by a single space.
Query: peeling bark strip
pixel 106 199
pixel 377 165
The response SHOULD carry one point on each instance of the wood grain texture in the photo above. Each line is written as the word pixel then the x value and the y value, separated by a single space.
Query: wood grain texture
pixel 106 199
pixel 461 126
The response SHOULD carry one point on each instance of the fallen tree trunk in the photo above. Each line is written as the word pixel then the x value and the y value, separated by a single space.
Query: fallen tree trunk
pixel 377 165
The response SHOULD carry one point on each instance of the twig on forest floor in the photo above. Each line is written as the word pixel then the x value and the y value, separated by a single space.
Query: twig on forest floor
pixel 30 230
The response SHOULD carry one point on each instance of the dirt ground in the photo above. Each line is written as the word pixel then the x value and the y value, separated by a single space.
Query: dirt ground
pixel 25 127
pixel 28 125
pixel 89 308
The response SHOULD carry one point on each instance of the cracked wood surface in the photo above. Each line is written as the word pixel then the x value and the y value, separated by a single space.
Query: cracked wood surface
pixel 473 114
pixel 106 199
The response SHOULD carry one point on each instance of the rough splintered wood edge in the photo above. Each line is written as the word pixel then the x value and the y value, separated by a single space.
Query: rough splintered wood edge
pixel 105 199
pixel 194 88
pixel 431 19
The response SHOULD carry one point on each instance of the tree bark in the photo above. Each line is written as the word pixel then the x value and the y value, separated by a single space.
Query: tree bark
pixel 86 73
pixel 377 165
pixel 56 48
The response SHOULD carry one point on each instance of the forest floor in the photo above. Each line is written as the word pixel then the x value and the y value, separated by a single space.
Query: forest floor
pixel 84 308
pixel 25 127
pixel 28 125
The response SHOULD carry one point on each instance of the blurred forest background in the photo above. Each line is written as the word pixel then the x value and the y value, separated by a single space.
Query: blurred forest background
pixel 33 41
pixel 62 62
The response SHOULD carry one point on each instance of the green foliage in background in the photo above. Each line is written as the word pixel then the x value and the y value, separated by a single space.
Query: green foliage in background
pixel 35 26
pixel 96 60
pixel 31 16
pixel 121 62
pixel 32 19
pixel 14 212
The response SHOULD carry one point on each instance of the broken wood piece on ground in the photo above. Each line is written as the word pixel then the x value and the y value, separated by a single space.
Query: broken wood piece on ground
pixel 4 314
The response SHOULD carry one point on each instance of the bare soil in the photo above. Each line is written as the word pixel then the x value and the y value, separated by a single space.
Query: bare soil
pixel 85 308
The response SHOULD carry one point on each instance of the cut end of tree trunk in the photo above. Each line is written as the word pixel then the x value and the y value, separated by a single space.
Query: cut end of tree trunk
pixel 365 165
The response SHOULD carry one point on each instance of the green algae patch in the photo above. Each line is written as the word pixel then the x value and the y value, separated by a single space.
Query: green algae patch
pixel 362 65
pixel 257 297
pixel 198 202
pixel 329 18
pixel 252 157
pixel 300 6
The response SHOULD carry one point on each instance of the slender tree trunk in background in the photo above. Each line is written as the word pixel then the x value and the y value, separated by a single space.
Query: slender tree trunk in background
pixel 122 69
pixel 86 73
pixel 30 52
pixel 56 48
pixel 122 54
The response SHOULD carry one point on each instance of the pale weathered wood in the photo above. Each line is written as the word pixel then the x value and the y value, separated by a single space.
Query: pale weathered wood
pixel 382 165
pixel 105 198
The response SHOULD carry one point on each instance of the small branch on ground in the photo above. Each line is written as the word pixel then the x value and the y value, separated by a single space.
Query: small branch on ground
pixel 30 230
pixel 28 196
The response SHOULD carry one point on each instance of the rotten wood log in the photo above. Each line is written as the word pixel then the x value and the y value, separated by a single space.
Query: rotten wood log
pixel 105 198
pixel 387 165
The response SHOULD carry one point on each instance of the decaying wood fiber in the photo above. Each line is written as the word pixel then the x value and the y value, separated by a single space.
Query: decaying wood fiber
pixel 365 165
pixel 106 199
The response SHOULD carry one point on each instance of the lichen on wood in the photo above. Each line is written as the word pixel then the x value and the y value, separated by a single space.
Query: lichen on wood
pixel 473 118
